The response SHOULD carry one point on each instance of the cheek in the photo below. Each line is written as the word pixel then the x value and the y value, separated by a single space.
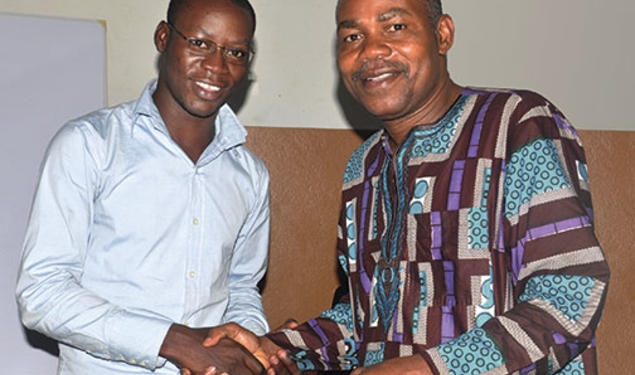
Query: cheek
pixel 237 73
pixel 346 62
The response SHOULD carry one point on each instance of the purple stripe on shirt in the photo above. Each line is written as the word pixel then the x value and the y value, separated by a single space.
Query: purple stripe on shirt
pixel 562 124
pixel 529 369
pixel 518 253
pixel 455 185
pixel 313 323
pixel 362 271
pixel 476 134
pixel 325 355
pixel 437 233
pixel 557 227
pixel 396 336
pixel 447 321
pixel 501 235
pixel 447 324
pixel 361 236
pixel 574 223
pixel 543 231
pixel 558 338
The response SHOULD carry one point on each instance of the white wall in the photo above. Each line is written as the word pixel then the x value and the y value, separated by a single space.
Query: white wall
pixel 576 52
pixel 54 71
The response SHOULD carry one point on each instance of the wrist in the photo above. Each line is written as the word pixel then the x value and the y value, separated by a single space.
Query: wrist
pixel 177 339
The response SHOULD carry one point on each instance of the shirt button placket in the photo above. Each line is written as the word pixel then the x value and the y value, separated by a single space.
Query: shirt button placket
pixel 195 238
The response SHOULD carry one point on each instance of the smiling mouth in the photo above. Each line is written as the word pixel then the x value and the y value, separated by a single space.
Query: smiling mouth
pixel 207 87
pixel 379 77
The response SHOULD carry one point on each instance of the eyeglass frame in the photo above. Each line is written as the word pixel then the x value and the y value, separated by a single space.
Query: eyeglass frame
pixel 225 51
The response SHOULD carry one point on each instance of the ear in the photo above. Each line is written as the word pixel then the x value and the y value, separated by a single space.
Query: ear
pixel 161 35
pixel 445 34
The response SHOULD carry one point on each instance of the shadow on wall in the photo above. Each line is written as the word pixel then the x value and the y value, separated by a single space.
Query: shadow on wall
pixel 39 341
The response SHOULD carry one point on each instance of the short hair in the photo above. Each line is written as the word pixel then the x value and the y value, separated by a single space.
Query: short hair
pixel 176 5
pixel 435 10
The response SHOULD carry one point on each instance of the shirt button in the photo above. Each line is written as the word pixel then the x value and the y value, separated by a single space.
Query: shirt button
pixel 195 221
pixel 191 274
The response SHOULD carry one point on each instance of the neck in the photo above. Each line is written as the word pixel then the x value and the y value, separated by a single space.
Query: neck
pixel 433 109
pixel 193 134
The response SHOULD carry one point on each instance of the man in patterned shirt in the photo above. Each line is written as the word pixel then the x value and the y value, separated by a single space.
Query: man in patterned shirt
pixel 466 227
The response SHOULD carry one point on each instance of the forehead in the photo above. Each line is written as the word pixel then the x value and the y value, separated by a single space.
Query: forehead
pixel 215 16
pixel 358 10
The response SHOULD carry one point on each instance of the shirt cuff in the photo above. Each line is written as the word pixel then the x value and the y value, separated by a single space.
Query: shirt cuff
pixel 137 338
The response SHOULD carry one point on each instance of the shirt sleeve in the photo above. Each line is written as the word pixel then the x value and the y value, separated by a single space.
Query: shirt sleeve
pixel 326 342
pixel 557 272
pixel 249 263
pixel 49 293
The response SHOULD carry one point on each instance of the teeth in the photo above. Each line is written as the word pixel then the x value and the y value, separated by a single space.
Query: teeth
pixel 207 87
pixel 381 76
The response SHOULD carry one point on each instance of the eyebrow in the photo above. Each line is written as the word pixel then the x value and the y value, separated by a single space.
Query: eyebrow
pixel 393 12
pixel 347 24
pixel 390 13
pixel 210 36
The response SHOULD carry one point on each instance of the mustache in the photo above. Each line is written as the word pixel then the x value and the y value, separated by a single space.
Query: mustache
pixel 378 64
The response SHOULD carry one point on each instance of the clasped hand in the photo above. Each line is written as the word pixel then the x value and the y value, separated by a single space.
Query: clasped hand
pixel 274 359
pixel 183 346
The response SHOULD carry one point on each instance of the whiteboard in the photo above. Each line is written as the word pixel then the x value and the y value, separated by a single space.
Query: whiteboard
pixel 51 70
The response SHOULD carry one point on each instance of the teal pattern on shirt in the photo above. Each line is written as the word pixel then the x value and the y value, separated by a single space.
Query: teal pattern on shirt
pixel 534 169
pixel 567 293
pixel 471 353
pixel 340 314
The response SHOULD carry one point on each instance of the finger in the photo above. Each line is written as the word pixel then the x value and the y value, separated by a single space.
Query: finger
pixel 185 371
pixel 262 358
pixel 289 363
pixel 216 334
pixel 211 370
pixel 289 324
pixel 214 337
pixel 253 365
pixel 279 366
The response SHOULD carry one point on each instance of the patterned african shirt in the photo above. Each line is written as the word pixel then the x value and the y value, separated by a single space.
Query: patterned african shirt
pixel 471 245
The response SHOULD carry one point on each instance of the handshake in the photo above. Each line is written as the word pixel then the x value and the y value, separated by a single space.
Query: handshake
pixel 228 349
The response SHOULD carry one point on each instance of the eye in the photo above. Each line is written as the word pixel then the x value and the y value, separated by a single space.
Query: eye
pixel 237 53
pixel 397 27
pixel 351 38
pixel 200 44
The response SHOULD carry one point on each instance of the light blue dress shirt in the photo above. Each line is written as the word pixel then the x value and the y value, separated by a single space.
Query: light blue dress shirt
pixel 127 235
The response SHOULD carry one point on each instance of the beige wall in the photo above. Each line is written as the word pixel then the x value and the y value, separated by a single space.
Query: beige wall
pixel 575 52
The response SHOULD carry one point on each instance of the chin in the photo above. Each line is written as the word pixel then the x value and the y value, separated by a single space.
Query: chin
pixel 382 109
pixel 384 112
pixel 203 111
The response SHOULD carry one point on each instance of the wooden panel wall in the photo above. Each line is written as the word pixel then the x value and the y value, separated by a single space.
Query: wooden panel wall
pixel 307 166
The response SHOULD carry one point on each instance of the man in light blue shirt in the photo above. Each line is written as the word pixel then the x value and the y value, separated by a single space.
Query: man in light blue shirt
pixel 152 217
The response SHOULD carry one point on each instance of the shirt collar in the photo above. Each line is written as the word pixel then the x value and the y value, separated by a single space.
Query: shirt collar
pixel 229 131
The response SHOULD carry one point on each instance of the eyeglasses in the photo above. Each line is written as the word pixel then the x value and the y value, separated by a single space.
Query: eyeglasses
pixel 206 47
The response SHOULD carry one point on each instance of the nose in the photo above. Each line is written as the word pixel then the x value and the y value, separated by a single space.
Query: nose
pixel 375 46
pixel 215 62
